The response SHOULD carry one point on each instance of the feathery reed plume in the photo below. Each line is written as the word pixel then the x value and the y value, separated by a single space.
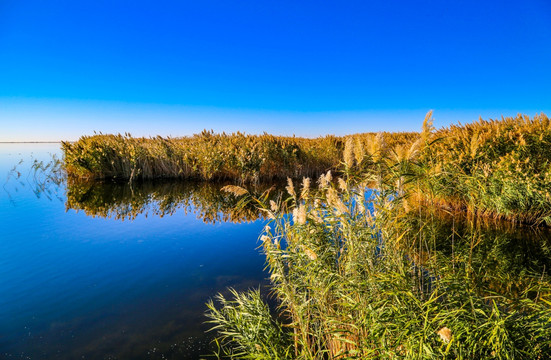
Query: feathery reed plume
pixel 305 188
pixel 309 253
pixel 235 190
pixel 360 204
pixel 343 186
pixel 290 188
pixel 299 214
pixel 445 334
pixel 335 201
pixel 358 151
pixel 376 147
pixel 274 206
pixel 348 154
pixel 325 180
pixel 427 128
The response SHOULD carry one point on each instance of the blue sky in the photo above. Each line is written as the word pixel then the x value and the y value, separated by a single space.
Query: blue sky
pixel 309 68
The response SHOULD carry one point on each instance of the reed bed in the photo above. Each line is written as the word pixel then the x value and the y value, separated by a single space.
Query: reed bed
pixel 209 156
pixel 497 168
pixel 494 168
pixel 365 273
pixel 359 275
pixel 359 264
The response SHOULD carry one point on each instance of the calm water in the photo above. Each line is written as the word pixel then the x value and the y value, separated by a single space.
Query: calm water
pixel 113 271
pixel 109 272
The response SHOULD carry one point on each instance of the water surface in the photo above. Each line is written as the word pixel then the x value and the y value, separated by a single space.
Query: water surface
pixel 113 272
pixel 119 271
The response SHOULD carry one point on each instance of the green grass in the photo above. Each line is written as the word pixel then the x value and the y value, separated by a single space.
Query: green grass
pixel 390 283
pixel 246 329
pixel 497 168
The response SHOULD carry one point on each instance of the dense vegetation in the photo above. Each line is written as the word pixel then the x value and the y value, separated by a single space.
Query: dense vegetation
pixel 498 168
pixel 208 156
pixel 362 264
pixel 359 275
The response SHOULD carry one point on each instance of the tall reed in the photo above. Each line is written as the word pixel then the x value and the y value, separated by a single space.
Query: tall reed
pixel 498 168
pixel 359 275
pixel 495 168
pixel 206 156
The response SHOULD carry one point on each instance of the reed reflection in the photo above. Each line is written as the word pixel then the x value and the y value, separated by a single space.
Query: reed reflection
pixel 125 201
pixel 495 257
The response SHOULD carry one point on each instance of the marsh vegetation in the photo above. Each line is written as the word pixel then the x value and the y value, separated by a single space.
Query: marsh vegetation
pixel 364 269
pixel 495 168
pixel 390 245
pixel 390 283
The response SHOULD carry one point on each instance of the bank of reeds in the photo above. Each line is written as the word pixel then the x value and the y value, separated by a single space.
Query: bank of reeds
pixel 495 168
pixel 498 168
pixel 360 276
pixel 209 156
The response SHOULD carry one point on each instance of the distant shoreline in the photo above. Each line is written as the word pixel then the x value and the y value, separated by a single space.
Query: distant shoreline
pixel 31 142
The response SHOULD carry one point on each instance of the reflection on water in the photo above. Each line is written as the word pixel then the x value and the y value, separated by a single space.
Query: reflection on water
pixel 79 283
pixel 94 287
pixel 126 201
pixel 495 257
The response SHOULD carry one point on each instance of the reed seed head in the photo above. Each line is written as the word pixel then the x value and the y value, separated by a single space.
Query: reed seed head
pixel 335 201
pixel 311 255
pixel 349 152
pixel 235 190
pixel 342 184
pixel 305 188
pixel 274 206
pixel 445 334
pixel 299 214
pixel 290 188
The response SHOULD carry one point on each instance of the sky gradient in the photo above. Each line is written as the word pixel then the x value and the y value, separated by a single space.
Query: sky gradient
pixel 308 68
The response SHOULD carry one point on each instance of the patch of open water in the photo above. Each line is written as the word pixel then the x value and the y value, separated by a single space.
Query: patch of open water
pixel 79 282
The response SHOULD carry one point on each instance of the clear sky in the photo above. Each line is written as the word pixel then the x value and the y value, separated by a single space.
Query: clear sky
pixel 309 68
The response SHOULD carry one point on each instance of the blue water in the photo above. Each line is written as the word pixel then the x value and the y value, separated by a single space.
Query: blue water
pixel 89 287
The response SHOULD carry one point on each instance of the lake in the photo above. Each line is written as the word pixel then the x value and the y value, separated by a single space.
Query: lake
pixel 112 271
pixel 119 271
